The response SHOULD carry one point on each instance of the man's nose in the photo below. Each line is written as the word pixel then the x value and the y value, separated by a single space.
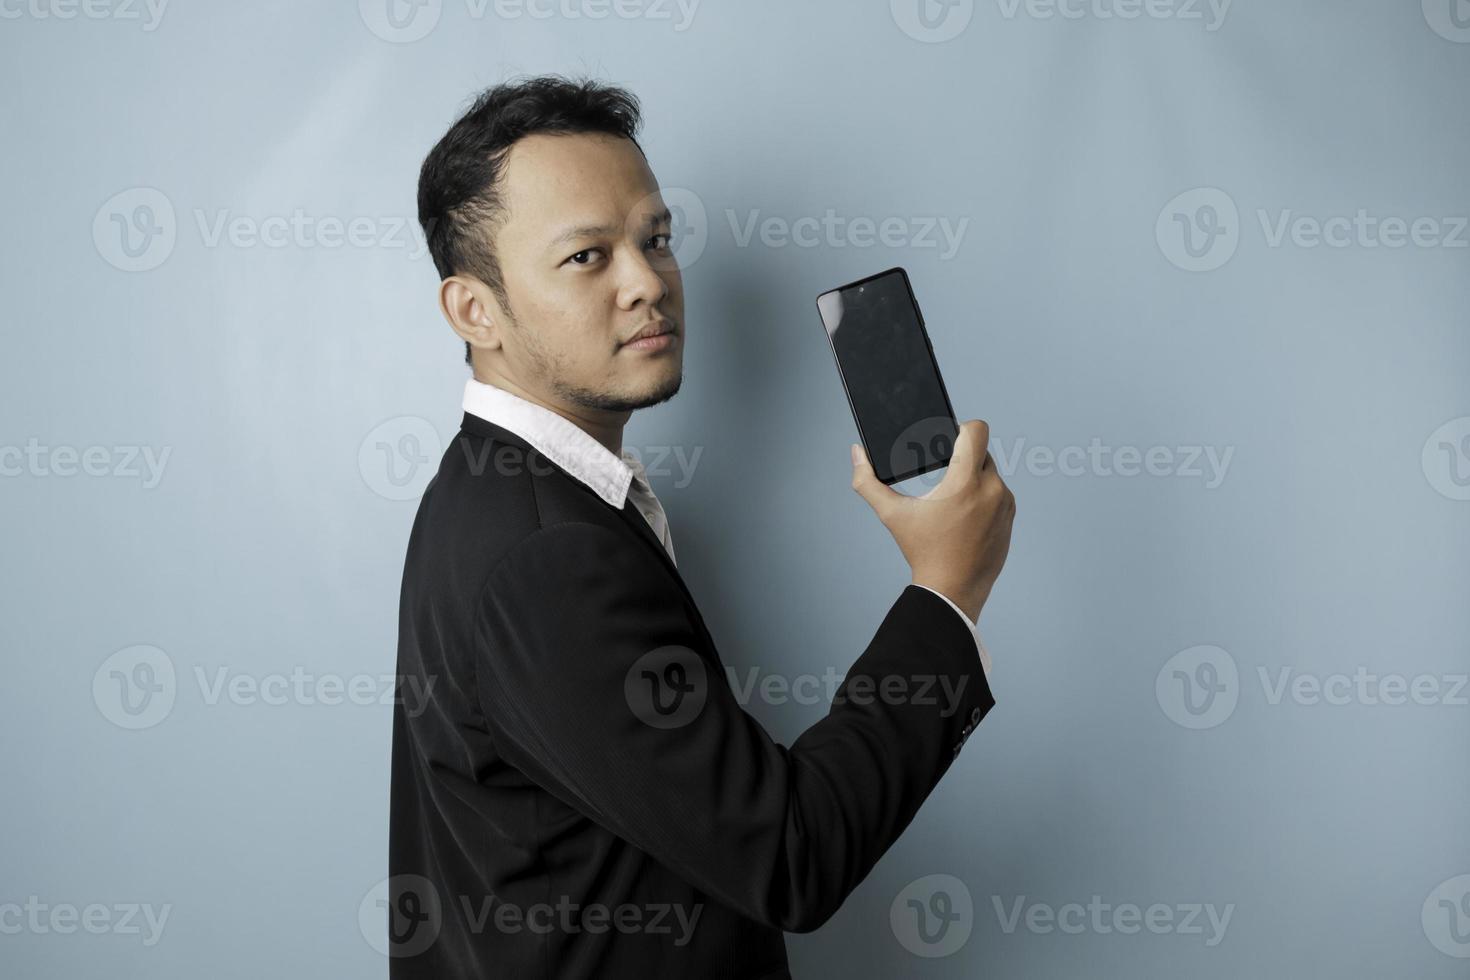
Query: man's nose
pixel 643 282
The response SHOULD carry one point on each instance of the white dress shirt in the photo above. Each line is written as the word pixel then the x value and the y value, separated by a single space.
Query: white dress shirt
pixel 613 478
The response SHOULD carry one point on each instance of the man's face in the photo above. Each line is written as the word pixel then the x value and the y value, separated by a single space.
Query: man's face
pixel 584 256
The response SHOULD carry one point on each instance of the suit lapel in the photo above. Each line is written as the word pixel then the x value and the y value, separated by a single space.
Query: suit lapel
pixel 632 515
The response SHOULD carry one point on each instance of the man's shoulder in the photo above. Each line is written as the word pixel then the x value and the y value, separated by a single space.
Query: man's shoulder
pixel 491 491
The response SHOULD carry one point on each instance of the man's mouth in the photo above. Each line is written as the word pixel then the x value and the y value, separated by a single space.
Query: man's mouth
pixel 658 335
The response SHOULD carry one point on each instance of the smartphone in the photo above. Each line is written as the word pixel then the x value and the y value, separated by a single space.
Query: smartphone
pixel 888 370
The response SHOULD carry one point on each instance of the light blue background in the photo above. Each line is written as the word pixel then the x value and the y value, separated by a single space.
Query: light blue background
pixel 1060 319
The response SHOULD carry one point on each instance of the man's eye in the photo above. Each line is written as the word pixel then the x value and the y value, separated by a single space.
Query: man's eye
pixel 666 240
pixel 582 257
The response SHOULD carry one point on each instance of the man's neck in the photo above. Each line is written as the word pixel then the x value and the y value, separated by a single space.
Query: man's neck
pixel 605 427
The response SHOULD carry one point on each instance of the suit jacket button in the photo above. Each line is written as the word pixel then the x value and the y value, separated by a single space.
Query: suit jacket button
pixel 975 717
pixel 966 731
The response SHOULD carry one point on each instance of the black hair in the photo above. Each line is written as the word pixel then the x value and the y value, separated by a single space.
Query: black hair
pixel 459 200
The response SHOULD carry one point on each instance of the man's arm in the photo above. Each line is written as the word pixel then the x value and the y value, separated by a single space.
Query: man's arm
pixel 575 626
pixel 973 626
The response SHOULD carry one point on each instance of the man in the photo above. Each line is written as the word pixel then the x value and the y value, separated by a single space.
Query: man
pixel 581 795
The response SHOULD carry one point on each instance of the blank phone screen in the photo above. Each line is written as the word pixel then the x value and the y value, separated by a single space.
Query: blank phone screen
pixel 893 384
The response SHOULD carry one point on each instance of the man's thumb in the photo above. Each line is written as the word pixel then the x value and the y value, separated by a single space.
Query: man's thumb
pixel 866 482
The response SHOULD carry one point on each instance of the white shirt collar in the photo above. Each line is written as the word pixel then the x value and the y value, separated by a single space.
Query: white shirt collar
pixel 559 440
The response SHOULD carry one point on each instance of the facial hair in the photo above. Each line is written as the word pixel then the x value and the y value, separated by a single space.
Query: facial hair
pixel 547 367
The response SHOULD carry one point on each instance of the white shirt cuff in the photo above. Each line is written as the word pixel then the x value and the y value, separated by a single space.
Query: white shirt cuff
pixel 974 629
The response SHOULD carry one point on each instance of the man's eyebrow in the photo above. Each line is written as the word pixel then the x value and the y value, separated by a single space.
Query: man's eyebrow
pixel 592 231
pixel 585 231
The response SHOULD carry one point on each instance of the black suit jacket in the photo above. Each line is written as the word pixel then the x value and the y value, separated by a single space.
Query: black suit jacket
pixel 581 794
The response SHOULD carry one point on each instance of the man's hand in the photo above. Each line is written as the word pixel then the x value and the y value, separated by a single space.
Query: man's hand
pixel 955 537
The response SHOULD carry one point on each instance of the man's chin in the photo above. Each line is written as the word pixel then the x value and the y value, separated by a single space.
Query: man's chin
pixel 667 388
pixel 662 393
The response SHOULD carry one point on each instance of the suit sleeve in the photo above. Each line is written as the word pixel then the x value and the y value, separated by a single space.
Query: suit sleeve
pixel 972 626
pixel 595 681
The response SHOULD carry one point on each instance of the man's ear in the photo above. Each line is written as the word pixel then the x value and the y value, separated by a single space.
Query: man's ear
pixel 472 310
